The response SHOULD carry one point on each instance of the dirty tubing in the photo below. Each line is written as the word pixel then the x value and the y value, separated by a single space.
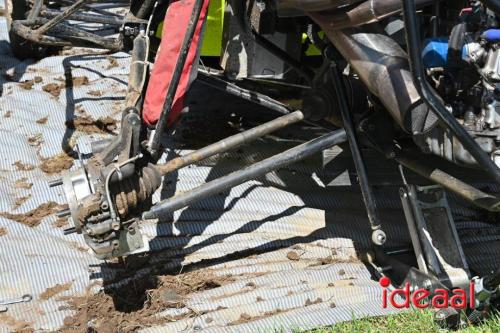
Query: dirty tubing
pixel 419 298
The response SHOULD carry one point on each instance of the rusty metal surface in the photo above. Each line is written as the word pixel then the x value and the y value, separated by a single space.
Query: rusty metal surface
pixel 58 29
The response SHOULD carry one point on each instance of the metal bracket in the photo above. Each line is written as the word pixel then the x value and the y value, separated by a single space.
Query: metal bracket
pixel 129 240
pixel 434 236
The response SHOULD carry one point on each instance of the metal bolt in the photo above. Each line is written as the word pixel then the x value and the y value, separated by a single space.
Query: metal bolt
pixel 115 225
pixel 56 182
pixel 104 205
pixel 427 284
pixel 378 237
pixel 69 231
pixel 63 213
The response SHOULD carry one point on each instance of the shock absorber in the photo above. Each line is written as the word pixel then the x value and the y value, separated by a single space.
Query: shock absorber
pixel 135 191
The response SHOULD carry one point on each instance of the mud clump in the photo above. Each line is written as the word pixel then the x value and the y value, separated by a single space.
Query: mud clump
pixel 292 255
pixel 23 183
pixel 95 93
pixel 7 114
pixel 34 217
pixel 61 222
pixel 316 301
pixel 53 291
pixel 137 304
pixel 80 109
pixel 112 62
pixel 246 318
pixel 80 81
pixel 16 325
pixel 35 140
pixel 3 231
pixel 53 88
pixel 42 121
pixel 187 283
pixel 27 85
pixel 89 125
pixel 20 201
pixel 20 166
pixel 56 163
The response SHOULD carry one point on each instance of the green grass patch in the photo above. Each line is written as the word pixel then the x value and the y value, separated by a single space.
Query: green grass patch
pixel 407 322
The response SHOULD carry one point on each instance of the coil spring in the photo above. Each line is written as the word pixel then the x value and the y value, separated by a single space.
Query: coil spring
pixel 136 190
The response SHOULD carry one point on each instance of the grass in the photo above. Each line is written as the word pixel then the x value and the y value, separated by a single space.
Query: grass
pixel 408 322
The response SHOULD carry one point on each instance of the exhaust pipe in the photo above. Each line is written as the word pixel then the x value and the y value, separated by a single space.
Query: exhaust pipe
pixel 370 11
pixel 314 5
pixel 383 67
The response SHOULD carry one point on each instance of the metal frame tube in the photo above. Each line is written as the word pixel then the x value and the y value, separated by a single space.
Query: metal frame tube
pixel 314 5
pixel 370 11
pixel 64 34
pixel 251 96
pixel 35 11
pixel 145 9
pixel 85 17
pixel 455 185
pixel 366 189
pixel 431 98
pixel 254 171
pixel 382 65
pixel 230 143
pixel 58 19
pixel 90 8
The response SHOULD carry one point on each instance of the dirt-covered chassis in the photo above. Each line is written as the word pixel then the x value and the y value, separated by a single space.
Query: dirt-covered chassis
pixel 444 104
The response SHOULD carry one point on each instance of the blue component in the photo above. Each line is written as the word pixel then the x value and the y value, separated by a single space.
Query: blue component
pixel 435 52
pixel 491 35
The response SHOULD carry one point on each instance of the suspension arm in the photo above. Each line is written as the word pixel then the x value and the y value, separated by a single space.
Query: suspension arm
pixel 254 171
pixel 230 142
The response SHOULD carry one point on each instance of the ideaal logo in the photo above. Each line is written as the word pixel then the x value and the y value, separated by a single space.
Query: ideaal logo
pixel 419 298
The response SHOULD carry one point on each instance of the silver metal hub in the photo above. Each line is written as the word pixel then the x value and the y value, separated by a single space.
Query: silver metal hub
pixel 76 186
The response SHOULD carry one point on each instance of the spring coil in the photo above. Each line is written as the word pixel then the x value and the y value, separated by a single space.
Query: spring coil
pixel 136 190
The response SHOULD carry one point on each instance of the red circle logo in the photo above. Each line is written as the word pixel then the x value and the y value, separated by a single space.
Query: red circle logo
pixel 384 281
